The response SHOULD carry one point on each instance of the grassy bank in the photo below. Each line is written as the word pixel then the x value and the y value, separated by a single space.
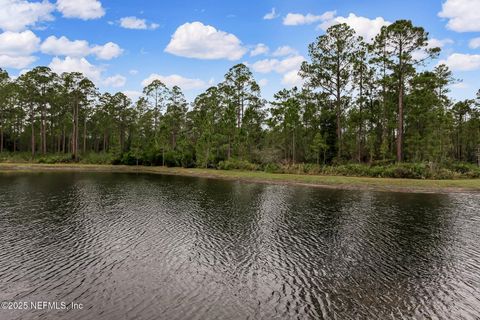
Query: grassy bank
pixel 337 182
pixel 376 169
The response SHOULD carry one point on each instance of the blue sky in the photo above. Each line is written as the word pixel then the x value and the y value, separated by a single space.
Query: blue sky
pixel 122 45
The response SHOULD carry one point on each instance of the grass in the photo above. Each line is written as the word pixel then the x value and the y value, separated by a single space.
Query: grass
pixel 337 182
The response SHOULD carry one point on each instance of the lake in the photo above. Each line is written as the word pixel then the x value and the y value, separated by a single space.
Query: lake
pixel 127 246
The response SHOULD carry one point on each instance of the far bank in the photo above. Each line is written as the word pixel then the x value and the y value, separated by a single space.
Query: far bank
pixel 322 181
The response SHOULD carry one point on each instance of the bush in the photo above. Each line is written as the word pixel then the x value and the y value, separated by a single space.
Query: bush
pixel 235 164
pixel 272 168
pixel 99 158
pixel 55 158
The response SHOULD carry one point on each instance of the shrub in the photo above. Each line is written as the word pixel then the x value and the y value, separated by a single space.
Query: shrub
pixel 235 164
pixel 272 168
pixel 99 158
pixel 55 158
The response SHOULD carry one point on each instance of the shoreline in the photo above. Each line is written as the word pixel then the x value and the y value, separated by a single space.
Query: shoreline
pixel 318 181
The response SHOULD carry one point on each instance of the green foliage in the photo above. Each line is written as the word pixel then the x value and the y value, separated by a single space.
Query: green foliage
pixel 54 158
pixel 366 109
pixel 272 168
pixel 99 158
pixel 235 164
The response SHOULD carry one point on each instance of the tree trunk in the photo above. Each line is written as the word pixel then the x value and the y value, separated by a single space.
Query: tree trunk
pixel 400 109
pixel 360 130
pixel 1 134
pixel 85 136
pixel 63 139
pixel 1 139
pixel 33 130
pixel 43 131
pixel 339 114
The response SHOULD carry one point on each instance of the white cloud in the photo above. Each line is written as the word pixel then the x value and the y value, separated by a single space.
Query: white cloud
pixel 259 49
pixel 279 66
pixel 64 47
pixel 474 43
pixel 292 79
pixel 462 62
pixel 365 27
pixel 18 43
pixel 432 43
pixel 263 82
pixel 295 19
pixel 82 9
pixel 132 94
pixel 460 85
pixel 71 64
pixel 16 49
pixel 463 15
pixel 284 51
pixel 271 15
pixel 133 72
pixel 175 80
pixel 17 15
pixel 108 51
pixel 196 40
pixel 115 81
pixel 16 62
pixel 137 23
pixel 439 43
pixel 79 48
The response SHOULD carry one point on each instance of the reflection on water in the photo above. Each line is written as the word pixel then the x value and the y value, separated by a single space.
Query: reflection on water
pixel 157 247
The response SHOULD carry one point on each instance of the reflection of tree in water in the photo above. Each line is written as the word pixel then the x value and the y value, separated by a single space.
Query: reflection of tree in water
pixel 230 249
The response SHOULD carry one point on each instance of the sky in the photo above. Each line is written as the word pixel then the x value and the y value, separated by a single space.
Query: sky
pixel 123 45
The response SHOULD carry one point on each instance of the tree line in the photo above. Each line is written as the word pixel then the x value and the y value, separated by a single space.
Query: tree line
pixel 363 102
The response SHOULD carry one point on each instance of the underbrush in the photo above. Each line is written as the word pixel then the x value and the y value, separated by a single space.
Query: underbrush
pixel 375 170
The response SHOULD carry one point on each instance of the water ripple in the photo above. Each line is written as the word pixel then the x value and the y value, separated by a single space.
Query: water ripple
pixel 153 247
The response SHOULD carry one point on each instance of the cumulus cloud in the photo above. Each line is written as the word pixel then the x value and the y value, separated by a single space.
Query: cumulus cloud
pixel 279 66
pixel 296 19
pixel 107 51
pixel 439 43
pixel 284 51
pixel 259 49
pixel 16 49
pixel 115 81
pixel 287 67
pixel 460 85
pixel 262 82
pixel 462 15
pixel 175 80
pixel 462 62
pixel 18 43
pixel 84 9
pixel 137 24
pixel 196 40
pixel 364 27
pixel 16 62
pixel 79 48
pixel 132 94
pixel 432 43
pixel 292 79
pixel 64 47
pixel 72 64
pixel 17 15
pixel 271 15
pixel 474 43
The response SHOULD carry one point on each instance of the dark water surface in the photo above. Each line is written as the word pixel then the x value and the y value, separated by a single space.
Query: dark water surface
pixel 130 246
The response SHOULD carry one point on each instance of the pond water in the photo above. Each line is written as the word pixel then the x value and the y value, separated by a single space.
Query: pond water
pixel 127 246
